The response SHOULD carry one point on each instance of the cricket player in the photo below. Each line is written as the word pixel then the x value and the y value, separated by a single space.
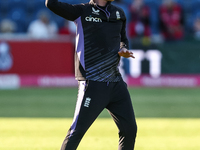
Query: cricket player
pixel 100 42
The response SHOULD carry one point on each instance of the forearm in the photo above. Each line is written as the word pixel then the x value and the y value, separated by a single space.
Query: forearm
pixel 124 40
pixel 65 10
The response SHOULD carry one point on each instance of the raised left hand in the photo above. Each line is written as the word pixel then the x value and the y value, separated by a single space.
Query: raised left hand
pixel 125 53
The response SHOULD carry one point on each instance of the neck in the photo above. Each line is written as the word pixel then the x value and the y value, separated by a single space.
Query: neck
pixel 101 2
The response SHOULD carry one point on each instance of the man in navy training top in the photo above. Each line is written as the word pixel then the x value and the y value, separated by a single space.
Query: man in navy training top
pixel 100 42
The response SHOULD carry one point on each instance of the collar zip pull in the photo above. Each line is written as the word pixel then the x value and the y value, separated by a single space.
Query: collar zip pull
pixel 105 11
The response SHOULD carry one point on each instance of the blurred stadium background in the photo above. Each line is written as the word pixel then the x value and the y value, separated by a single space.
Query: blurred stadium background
pixel 25 11
pixel 37 82
pixel 49 62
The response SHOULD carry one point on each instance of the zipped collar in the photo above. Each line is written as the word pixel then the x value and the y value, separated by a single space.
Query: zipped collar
pixel 106 7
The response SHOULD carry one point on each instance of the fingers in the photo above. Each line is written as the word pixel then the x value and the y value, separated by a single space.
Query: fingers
pixel 132 56
pixel 126 53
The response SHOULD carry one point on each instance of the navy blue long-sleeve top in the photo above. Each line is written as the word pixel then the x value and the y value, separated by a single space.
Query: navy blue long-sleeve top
pixel 100 35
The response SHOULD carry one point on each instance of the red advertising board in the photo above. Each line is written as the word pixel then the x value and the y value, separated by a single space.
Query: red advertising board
pixel 38 57
pixel 50 63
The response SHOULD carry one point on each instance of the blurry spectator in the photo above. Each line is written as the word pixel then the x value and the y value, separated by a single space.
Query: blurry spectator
pixel 69 28
pixel 140 19
pixel 6 60
pixel 72 27
pixel 64 30
pixel 42 27
pixel 171 20
pixel 197 28
pixel 7 26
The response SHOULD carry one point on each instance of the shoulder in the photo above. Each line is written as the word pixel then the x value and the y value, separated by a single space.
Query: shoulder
pixel 117 8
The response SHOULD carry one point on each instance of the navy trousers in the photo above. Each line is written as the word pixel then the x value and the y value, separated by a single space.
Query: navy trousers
pixel 93 98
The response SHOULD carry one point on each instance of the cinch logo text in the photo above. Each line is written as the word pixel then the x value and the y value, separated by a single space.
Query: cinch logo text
pixel 92 19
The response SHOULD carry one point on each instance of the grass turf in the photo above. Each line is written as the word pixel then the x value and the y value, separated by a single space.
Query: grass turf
pixel 60 102
pixel 163 117
pixel 48 134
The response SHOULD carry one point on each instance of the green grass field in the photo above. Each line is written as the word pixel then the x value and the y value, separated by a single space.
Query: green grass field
pixel 48 134
pixel 60 102
pixel 38 119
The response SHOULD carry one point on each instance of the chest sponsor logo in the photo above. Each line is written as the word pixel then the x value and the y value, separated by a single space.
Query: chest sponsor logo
pixel 94 11
pixel 93 19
